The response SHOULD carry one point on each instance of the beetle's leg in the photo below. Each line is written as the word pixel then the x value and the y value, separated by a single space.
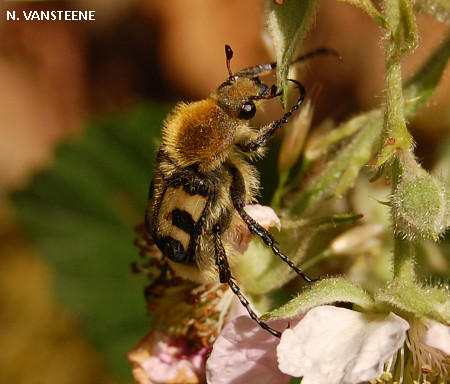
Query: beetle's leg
pixel 268 130
pixel 225 277
pixel 268 239
pixel 237 191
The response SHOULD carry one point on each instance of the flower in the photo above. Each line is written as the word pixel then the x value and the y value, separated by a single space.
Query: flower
pixel 328 345
pixel 333 345
pixel 187 317
pixel 160 358
pixel 425 357
pixel 245 353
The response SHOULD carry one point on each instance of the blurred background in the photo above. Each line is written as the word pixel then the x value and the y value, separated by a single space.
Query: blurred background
pixel 81 103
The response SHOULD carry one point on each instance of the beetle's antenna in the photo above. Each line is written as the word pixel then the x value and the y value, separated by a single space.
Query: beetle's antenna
pixel 318 52
pixel 262 69
pixel 229 54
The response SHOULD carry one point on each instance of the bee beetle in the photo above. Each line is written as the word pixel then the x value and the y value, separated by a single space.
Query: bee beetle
pixel 203 179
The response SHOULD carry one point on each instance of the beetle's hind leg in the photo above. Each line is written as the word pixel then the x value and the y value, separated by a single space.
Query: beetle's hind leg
pixel 225 277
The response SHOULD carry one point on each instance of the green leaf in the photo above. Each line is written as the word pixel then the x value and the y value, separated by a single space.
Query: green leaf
pixel 287 24
pixel 80 215
pixel 343 169
pixel 326 291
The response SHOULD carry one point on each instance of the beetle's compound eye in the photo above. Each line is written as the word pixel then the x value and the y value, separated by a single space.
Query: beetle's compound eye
pixel 247 111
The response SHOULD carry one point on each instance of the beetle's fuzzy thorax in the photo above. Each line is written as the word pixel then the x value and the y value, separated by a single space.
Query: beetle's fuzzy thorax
pixel 199 133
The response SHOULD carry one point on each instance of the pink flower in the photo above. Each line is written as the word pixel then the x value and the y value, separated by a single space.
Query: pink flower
pixel 245 353
pixel 328 345
pixel 160 358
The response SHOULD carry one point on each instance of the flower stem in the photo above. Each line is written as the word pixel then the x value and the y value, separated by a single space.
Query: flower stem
pixel 395 133
pixel 404 264
pixel 316 259
pixel 401 37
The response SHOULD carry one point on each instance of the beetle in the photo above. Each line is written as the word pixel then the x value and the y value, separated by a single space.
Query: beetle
pixel 203 179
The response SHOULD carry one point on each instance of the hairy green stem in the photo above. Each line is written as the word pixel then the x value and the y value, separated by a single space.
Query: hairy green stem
pixel 403 258
pixel 395 133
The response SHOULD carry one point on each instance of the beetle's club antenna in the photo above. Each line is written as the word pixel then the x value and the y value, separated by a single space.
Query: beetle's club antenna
pixel 229 54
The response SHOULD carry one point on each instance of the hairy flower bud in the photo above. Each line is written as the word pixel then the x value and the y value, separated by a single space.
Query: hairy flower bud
pixel 420 207
pixel 292 144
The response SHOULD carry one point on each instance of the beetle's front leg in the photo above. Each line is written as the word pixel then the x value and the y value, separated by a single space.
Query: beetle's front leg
pixel 267 131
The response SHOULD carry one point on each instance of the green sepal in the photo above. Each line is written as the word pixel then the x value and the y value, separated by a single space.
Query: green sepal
pixel 417 300
pixel 343 169
pixel 326 291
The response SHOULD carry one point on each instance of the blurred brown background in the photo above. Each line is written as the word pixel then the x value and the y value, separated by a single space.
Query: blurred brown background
pixel 54 75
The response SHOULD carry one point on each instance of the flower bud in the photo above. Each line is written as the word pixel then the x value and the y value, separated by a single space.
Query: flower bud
pixel 420 207
pixel 292 144
pixel 357 240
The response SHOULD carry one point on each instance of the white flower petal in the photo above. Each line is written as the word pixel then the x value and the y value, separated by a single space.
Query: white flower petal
pixel 438 337
pixel 337 346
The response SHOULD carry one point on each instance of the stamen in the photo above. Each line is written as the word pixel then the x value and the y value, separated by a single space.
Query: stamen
pixel 402 364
